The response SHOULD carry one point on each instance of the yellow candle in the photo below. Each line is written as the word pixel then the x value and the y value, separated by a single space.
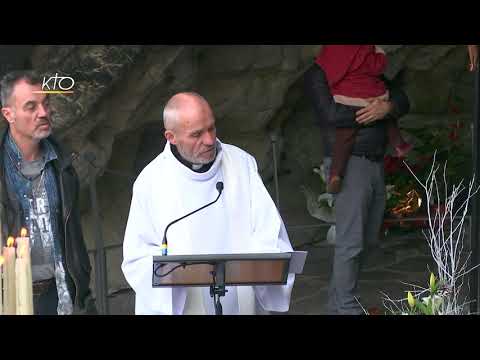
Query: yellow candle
pixel 23 272
pixel 9 289
pixel 2 260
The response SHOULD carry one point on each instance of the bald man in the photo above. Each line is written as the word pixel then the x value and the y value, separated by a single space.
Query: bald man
pixel 182 179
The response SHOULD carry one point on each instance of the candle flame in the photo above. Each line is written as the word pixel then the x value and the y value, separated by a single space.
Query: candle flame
pixel 10 241
pixel 2 260
pixel 23 232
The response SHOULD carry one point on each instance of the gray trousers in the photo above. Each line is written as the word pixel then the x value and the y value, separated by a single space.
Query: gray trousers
pixel 360 208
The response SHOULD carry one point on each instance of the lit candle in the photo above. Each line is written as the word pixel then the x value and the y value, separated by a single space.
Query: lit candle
pixel 2 260
pixel 23 272
pixel 9 289
pixel 24 241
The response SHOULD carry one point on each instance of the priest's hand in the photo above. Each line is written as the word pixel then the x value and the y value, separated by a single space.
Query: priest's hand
pixel 376 110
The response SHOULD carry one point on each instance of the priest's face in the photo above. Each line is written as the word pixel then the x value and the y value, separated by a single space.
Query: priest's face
pixel 195 134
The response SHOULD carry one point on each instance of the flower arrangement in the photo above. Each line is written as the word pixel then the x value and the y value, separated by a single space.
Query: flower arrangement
pixel 422 301
pixel 446 142
pixel 445 235
pixel 320 206
pixel 429 305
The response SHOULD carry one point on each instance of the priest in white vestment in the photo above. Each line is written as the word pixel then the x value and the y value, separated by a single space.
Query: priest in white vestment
pixel 182 179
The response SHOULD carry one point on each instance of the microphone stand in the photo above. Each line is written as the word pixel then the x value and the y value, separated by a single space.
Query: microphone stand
pixel 164 241
pixel 218 288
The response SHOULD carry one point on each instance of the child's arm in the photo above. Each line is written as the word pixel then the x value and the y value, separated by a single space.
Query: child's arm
pixel 473 55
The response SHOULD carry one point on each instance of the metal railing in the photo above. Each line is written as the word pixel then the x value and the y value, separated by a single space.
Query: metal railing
pixel 99 253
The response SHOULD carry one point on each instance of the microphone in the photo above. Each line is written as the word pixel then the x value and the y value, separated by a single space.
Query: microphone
pixel 164 241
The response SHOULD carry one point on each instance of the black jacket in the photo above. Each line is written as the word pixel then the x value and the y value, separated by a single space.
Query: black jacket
pixel 76 260
pixel 369 140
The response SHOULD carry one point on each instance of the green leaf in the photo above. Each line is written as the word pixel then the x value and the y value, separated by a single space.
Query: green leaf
pixel 429 310
pixel 422 307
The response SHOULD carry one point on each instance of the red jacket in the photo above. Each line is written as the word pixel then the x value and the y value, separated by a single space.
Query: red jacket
pixel 353 70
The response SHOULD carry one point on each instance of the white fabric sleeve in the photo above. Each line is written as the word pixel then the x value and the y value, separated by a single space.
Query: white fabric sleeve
pixel 140 244
pixel 271 232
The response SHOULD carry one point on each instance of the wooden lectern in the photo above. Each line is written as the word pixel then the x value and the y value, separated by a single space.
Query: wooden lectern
pixel 218 271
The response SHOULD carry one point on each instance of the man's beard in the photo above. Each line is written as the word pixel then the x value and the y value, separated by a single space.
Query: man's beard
pixel 197 161
pixel 40 134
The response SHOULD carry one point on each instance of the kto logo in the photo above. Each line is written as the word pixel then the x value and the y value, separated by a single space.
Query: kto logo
pixel 57 85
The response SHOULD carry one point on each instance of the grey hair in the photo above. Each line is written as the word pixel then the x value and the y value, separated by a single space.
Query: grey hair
pixel 10 79
pixel 170 112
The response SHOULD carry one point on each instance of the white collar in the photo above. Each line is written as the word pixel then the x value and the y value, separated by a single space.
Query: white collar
pixel 193 175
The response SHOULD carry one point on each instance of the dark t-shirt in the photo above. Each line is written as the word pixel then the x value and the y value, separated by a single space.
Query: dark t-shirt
pixel 41 234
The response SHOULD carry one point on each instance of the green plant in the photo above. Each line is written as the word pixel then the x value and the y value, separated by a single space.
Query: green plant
pixel 445 234
pixel 426 305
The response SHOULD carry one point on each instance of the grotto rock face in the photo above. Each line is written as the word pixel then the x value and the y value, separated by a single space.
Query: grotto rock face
pixel 256 91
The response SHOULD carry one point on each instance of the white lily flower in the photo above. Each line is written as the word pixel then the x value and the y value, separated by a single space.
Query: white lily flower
pixel 389 190
pixel 437 301
pixel 326 196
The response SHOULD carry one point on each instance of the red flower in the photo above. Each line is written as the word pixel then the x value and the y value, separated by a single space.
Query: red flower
pixel 453 135
pixel 456 125
pixel 454 109
pixel 392 164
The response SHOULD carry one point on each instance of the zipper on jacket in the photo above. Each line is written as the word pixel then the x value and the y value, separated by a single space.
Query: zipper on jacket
pixel 65 240
pixel 66 257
